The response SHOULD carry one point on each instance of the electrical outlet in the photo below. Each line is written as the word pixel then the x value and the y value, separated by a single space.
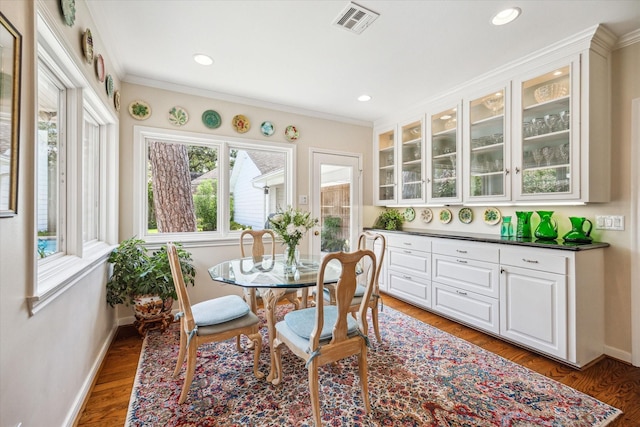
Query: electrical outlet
pixel 610 222
pixel 303 200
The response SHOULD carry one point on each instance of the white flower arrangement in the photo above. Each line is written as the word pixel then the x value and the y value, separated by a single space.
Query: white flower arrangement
pixel 291 225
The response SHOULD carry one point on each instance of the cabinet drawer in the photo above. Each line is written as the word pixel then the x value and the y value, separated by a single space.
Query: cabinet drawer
pixel 418 243
pixel 536 260
pixel 467 274
pixel 410 260
pixel 410 288
pixel 468 307
pixel 470 250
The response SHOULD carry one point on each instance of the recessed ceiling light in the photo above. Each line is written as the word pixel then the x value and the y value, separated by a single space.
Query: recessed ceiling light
pixel 557 73
pixel 364 98
pixel 506 16
pixel 202 59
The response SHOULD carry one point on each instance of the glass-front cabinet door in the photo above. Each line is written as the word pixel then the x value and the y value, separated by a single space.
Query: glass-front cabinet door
pixel 385 158
pixel 444 184
pixel 412 169
pixel 545 166
pixel 487 147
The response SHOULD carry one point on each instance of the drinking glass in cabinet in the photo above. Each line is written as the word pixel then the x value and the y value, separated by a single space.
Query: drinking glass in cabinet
pixel 564 119
pixel 552 121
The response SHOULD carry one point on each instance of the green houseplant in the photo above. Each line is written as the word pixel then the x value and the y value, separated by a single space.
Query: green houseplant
pixel 389 219
pixel 145 280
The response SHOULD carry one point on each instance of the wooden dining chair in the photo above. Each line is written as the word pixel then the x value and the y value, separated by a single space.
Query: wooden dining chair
pixel 325 334
pixel 214 320
pixel 378 244
pixel 252 295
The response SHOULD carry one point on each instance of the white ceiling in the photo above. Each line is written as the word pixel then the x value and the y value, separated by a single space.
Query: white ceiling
pixel 287 53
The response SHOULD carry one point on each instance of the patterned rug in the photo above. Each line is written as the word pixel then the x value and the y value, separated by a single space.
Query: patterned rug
pixel 418 376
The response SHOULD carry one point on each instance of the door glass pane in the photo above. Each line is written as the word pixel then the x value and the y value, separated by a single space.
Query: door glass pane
pixel 546 133
pixel 50 175
pixel 335 208
pixel 411 153
pixel 386 165
pixel 444 156
pixel 486 116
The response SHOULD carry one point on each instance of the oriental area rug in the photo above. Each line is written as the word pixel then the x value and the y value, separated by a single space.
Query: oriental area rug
pixel 418 376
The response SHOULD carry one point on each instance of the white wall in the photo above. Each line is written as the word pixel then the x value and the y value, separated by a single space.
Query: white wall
pixel 46 360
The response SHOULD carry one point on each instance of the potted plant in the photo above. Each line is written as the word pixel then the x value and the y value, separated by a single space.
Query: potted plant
pixel 390 219
pixel 145 281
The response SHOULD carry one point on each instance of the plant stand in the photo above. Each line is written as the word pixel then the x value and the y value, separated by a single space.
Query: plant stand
pixel 162 322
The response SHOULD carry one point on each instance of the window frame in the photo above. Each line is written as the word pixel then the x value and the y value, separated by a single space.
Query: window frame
pixel 224 144
pixel 54 275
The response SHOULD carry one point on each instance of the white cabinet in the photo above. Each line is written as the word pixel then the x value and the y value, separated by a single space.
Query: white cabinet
pixel 444 157
pixel 411 168
pixel 385 166
pixel 549 300
pixel 409 268
pixel 539 131
pixel 487 146
pixel 465 278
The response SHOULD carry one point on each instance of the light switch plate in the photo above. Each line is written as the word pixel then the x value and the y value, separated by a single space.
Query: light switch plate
pixel 610 222
pixel 303 200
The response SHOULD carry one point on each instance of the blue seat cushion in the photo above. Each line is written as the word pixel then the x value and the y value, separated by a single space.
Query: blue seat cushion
pixel 219 310
pixel 302 322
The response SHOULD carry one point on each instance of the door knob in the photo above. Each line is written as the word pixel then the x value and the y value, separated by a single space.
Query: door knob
pixel 316 233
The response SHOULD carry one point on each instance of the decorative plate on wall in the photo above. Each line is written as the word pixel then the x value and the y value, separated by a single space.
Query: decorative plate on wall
pixel 109 85
pixel 291 133
pixel 100 70
pixel 87 46
pixel 267 128
pixel 211 119
pixel 241 124
pixel 445 216
pixel 116 100
pixel 409 214
pixel 139 110
pixel 492 216
pixel 178 116
pixel 68 11
pixel 426 215
pixel 465 215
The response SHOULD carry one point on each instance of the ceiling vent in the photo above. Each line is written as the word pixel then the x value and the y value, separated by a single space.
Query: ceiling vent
pixel 355 18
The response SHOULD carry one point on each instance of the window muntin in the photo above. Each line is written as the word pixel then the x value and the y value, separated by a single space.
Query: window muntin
pixel 216 179
pixel 50 164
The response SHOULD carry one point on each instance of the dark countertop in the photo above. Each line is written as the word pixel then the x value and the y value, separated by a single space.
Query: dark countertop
pixel 491 238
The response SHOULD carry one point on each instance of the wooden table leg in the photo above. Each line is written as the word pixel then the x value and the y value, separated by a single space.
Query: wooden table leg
pixel 270 297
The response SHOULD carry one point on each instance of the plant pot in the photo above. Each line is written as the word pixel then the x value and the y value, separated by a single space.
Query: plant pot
pixel 150 307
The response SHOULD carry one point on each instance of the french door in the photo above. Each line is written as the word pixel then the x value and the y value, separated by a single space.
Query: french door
pixel 336 201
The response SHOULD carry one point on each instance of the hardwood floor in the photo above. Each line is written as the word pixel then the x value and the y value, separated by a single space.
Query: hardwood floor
pixel 608 380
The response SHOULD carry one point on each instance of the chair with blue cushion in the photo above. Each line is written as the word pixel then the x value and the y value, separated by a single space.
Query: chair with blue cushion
pixel 252 295
pixel 324 334
pixel 377 243
pixel 214 320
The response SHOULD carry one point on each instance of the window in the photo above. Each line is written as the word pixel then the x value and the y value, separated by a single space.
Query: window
pixel 74 168
pixel 206 187
pixel 50 164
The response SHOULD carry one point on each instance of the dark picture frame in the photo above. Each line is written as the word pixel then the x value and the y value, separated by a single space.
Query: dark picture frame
pixel 10 73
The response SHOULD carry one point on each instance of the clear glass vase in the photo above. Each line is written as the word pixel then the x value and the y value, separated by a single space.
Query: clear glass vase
pixel 291 257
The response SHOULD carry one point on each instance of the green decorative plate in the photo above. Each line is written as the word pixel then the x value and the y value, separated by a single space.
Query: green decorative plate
pixel 139 110
pixel 465 215
pixel 178 116
pixel 211 119
pixel 68 11
pixel 409 214
pixel 491 216
pixel 445 216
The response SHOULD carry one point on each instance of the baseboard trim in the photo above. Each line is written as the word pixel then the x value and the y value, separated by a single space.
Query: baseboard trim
pixel 616 353
pixel 72 417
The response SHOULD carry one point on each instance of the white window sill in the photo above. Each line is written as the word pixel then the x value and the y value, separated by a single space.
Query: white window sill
pixel 55 277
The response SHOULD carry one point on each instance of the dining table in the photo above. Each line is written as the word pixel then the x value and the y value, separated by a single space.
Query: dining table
pixel 270 274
